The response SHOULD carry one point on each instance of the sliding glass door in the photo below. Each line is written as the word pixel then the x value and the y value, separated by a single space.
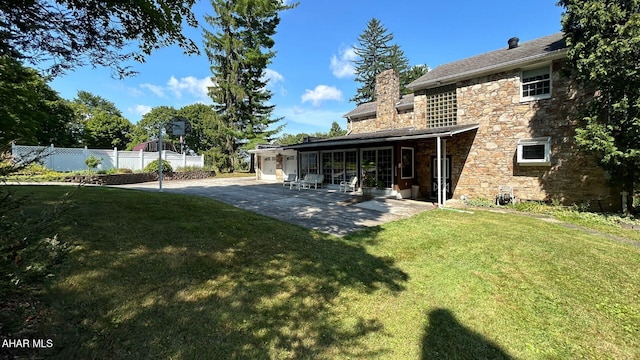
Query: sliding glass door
pixel 339 165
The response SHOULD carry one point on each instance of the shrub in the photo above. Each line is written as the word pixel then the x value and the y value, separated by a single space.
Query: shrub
pixel 153 167
pixel 92 162
pixel 190 168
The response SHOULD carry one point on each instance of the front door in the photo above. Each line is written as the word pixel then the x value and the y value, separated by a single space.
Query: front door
pixel 434 176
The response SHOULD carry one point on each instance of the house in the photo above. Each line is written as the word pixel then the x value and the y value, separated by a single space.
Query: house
pixel 503 118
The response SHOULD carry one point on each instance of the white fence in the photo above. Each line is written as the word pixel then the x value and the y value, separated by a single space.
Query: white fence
pixel 72 159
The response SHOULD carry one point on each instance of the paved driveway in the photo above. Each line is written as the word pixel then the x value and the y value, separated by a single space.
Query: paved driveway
pixel 328 211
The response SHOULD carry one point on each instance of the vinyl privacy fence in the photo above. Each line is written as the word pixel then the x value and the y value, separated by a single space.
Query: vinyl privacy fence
pixel 72 159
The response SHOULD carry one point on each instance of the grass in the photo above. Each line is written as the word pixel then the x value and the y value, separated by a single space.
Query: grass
pixel 155 275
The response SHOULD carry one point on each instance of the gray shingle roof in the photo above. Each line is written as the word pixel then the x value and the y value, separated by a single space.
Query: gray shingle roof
pixel 547 47
pixel 406 102
pixel 384 136
pixel 370 108
pixel 362 110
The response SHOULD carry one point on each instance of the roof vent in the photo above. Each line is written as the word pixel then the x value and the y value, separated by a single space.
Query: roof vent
pixel 513 42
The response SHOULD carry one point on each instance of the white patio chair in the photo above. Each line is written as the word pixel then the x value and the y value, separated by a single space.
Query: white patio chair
pixel 351 185
pixel 290 179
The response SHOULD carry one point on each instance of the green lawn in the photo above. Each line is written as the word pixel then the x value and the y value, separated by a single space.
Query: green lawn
pixel 158 275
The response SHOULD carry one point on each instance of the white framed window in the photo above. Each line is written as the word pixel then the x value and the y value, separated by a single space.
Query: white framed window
pixel 536 84
pixel 534 152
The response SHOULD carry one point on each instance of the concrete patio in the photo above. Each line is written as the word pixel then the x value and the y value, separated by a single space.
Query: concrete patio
pixel 324 210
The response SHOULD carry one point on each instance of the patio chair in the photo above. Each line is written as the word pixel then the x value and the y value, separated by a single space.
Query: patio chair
pixel 290 178
pixel 351 185
pixel 299 183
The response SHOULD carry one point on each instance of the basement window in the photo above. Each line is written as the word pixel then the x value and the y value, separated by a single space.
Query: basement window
pixel 534 152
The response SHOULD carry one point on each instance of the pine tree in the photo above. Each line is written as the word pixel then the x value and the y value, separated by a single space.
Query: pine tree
pixel 604 47
pixel 376 55
pixel 240 51
pixel 374 52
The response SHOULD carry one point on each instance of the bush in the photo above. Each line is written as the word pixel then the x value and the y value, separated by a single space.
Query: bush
pixel 153 167
pixel 189 168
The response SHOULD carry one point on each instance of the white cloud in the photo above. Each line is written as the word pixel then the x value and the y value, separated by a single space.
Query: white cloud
pixel 342 65
pixel 321 93
pixel 140 109
pixel 197 88
pixel 272 77
pixel 158 90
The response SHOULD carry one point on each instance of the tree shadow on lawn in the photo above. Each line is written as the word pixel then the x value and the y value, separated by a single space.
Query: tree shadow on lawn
pixel 446 338
pixel 215 293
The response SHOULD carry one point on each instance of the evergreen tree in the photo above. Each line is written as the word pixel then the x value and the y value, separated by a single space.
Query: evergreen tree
pixel 375 56
pixel 603 37
pixel 240 51
pixel 411 74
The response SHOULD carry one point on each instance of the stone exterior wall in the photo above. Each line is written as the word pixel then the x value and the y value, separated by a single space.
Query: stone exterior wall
pixel 387 95
pixel 484 159
pixel 494 103
pixel 404 119
pixel 367 124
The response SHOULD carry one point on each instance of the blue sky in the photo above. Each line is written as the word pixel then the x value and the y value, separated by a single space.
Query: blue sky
pixel 311 76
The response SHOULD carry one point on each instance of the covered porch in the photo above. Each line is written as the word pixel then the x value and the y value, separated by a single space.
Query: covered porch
pixel 405 163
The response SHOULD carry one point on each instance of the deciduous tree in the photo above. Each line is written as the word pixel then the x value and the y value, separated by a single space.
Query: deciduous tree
pixel 99 123
pixel 65 34
pixel 30 111
pixel 603 37
pixel 147 128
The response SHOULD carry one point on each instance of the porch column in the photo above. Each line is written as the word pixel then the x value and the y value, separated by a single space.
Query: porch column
pixel 444 170
pixel 439 168
pixel 441 153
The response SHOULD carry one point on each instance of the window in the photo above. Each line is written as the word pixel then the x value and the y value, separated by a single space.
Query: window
pixel 442 106
pixel 379 164
pixel 536 84
pixel 338 166
pixel 407 163
pixel 534 152
pixel 308 163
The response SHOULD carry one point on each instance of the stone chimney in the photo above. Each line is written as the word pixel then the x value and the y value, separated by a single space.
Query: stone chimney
pixel 387 96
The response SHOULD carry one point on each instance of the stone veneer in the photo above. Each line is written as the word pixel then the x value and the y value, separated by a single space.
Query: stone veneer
pixel 485 159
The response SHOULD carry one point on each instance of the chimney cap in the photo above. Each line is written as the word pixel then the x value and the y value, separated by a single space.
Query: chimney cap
pixel 513 42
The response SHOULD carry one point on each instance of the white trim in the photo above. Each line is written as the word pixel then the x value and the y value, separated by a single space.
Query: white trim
pixel 546 161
